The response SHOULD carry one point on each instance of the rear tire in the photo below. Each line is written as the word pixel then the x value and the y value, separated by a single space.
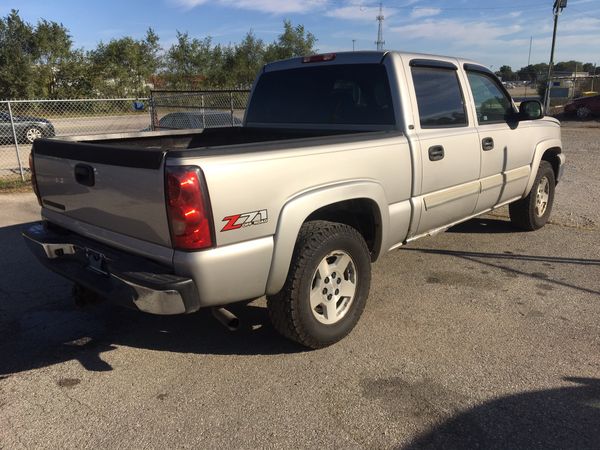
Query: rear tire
pixel 532 212
pixel 327 285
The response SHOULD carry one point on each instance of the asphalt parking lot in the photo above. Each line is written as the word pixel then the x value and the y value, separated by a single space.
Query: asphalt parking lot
pixel 483 336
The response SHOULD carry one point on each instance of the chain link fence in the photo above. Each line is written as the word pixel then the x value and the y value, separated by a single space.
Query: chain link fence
pixel 198 109
pixel 564 89
pixel 23 121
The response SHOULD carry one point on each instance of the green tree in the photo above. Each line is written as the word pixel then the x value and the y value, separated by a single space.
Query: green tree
pixel 17 56
pixel 73 77
pixel 294 41
pixel 221 72
pixel 248 59
pixel 589 68
pixel 192 63
pixel 52 53
pixel 189 62
pixel 533 72
pixel 568 66
pixel 506 73
pixel 124 66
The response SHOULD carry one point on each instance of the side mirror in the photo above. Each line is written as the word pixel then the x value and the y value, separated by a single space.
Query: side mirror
pixel 531 110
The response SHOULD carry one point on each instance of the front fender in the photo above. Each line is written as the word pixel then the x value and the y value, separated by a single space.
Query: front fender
pixel 540 149
pixel 296 211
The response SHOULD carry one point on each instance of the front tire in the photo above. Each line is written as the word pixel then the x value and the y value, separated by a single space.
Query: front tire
pixel 327 285
pixel 532 212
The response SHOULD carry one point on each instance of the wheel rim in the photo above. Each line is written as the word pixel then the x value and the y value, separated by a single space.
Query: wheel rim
pixel 32 134
pixel 333 287
pixel 542 196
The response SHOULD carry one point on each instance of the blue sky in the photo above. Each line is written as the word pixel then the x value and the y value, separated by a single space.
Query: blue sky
pixel 490 31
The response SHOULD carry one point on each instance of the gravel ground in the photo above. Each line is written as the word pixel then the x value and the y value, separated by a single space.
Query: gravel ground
pixel 479 337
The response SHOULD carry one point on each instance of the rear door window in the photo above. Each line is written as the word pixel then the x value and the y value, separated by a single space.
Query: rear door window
pixel 334 94
pixel 439 98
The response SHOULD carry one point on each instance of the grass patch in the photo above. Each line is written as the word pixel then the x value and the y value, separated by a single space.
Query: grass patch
pixel 12 185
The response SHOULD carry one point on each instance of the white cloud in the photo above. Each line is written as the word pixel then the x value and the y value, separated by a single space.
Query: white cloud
pixel 451 30
pixel 266 6
pixel 358 12
pixel 516 14
pixel 583 24
pixel 424 12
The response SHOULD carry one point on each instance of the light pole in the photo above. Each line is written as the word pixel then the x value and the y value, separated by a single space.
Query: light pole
pixel 559 5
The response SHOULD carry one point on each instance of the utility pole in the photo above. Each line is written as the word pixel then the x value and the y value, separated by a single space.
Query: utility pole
pixel 528 62
pixel 353 42
pixel 380 18
pixel 559 5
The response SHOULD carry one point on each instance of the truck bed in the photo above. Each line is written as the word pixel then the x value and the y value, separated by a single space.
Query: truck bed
pixel 212 137
pixel 121 177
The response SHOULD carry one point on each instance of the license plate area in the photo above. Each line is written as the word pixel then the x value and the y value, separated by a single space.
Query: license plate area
pixel 96 261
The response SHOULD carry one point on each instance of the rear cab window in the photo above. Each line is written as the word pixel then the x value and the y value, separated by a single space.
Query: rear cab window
pixel 348 94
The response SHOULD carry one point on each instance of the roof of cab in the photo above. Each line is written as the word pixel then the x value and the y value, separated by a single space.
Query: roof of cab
pixel 361 57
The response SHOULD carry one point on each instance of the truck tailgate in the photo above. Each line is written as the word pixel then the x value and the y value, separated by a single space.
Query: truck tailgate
pixel 115 188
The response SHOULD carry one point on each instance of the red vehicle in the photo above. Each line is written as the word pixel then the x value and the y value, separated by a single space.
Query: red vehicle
pixel 584 107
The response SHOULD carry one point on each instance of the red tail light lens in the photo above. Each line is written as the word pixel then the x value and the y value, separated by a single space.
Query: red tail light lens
pixel 188 208
pixel 34 179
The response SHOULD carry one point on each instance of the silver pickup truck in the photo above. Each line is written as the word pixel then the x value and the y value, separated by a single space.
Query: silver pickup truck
pixel 341 158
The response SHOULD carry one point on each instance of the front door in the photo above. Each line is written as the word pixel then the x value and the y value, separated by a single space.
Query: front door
pixel 504 143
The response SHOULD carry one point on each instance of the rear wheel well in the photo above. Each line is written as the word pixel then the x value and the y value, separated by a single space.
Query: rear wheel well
pixel 551 155
pixel 362 214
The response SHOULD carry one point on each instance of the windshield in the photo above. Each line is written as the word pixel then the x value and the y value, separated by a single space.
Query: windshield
pixel 336 94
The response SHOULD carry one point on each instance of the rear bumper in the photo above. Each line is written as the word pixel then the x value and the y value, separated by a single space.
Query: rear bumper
pixel 122 278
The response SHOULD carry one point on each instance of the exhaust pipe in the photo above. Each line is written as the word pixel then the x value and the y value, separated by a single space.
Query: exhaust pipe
pixel 227 318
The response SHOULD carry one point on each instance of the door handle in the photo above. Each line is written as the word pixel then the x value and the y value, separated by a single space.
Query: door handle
pixel 487 143
pixel 436 153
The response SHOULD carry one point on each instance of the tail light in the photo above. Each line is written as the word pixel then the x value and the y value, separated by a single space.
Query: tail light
pixel 34 178
pixel 319 58
pixel 188 208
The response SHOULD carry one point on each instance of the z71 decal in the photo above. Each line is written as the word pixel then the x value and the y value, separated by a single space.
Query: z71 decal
pixel 248 219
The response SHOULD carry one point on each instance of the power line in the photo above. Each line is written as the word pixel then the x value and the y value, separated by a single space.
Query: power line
pixel 444 8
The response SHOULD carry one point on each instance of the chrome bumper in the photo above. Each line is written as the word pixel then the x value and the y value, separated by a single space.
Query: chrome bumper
pixel 120 277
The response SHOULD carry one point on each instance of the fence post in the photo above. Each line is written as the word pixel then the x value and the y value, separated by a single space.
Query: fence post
pixel 231 105
pixel 203 113
pixel 153 117
pixel 14 133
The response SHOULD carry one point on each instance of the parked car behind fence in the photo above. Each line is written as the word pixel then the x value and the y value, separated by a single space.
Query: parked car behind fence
pixel 27 129
pixel 584 107
pixel 197 119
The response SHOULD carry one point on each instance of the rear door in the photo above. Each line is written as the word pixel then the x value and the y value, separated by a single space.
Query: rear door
pixel 448 142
